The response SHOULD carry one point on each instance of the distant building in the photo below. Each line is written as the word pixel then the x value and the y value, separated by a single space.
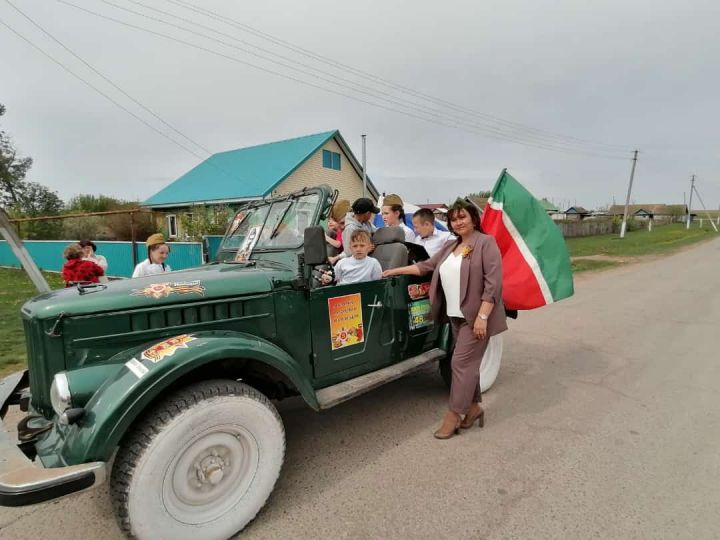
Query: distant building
pixel 236 176
pixel 438 209
pixel 576 213
pixel 657 212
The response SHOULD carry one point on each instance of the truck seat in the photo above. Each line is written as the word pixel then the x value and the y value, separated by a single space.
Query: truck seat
pixel 390 251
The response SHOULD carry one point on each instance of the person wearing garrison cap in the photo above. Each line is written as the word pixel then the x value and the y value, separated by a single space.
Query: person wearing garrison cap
pixel 158 252
pixel 394 216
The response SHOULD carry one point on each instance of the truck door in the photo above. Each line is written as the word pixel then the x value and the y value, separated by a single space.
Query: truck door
pixel 352 326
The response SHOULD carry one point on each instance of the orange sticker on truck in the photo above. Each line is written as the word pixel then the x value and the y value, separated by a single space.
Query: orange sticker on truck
pixel 346 322
pixel 166 348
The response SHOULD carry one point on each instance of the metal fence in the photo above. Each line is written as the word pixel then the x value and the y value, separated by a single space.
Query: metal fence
pixel 48 255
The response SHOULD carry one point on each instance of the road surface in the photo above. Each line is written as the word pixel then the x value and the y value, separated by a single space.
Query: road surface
pixel 604 423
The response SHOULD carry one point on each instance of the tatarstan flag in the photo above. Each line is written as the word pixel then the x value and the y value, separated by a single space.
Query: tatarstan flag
pixel 536 264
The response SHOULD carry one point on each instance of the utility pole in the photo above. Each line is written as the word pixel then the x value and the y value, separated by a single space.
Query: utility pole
pixel 692 188
pixel 706 211
pixel 627 199
pixel 364 166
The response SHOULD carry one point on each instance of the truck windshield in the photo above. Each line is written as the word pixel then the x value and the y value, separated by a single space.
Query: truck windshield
pixel 274 225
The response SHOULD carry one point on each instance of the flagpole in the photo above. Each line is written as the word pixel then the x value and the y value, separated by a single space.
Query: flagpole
pixel 627 199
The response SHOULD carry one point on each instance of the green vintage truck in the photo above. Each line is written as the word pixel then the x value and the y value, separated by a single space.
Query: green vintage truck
pixel 165 385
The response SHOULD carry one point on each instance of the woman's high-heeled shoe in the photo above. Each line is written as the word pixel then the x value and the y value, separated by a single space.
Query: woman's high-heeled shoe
pixel 450 426
pixel 477 414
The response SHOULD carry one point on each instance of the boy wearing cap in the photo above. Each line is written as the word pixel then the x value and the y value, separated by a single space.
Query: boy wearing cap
pixel 359 218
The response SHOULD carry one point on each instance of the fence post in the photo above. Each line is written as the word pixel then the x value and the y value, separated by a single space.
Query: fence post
pixel 132 239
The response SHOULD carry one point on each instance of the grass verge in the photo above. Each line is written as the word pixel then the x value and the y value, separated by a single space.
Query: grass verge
pixel 15 289
pixel 663 239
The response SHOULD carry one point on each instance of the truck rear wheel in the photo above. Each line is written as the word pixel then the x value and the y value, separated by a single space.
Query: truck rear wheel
pixel 489 367
pixel 201 464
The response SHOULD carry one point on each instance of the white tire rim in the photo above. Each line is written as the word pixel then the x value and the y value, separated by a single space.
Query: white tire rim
pixel 490 364
pixel 210 474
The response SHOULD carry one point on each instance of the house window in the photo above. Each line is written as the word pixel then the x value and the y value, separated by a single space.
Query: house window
pixel 331 160
pixel 171 221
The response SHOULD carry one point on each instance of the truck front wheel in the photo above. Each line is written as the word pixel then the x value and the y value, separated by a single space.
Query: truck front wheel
pixel 200 464
pixel 489 367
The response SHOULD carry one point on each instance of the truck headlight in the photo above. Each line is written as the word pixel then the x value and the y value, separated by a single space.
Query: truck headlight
pixel 60 393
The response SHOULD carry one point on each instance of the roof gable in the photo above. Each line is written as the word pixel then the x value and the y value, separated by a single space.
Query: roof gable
pixel 245 173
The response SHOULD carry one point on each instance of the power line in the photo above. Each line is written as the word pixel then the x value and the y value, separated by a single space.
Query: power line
pixel 329 90
pixel 90 85
pixel 105 78
pixel 310 54
pixel 373 91
pixel 512 137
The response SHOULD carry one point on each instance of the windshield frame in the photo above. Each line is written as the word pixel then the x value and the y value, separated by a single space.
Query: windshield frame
pixel 293 199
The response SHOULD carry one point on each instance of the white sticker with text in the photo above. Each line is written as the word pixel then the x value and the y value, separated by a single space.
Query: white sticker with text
pixel 136 367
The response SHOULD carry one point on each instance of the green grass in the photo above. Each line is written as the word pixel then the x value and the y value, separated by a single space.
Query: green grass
pixel 15 289
pixel 586 265
pixel 661 240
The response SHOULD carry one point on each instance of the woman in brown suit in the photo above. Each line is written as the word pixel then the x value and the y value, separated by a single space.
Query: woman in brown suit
pixel 466 288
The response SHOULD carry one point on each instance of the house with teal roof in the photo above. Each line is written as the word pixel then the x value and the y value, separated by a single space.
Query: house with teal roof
pixel 245 174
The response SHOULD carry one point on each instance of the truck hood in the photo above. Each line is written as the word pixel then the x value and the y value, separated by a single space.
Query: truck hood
pixel 204 282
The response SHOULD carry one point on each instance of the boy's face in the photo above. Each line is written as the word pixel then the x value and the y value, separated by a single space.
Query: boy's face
pixel 360 248
pixel 423 228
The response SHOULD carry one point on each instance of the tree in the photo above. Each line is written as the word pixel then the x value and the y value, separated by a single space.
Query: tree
pixel 205 220
pixel 13 169
pixel 26 199
pixel 82 204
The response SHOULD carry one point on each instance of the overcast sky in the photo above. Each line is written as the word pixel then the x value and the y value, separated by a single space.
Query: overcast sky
pixel 586 83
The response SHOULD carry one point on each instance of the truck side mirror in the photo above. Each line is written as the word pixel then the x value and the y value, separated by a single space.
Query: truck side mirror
pixel 315 250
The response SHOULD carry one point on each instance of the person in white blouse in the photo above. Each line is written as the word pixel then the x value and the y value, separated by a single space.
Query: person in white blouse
pixel 89 254
pixel 394 216
pixel 429 236
pixel 466 288
pixel 158 252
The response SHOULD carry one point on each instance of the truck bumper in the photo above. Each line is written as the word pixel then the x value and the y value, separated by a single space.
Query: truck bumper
pixel 22 482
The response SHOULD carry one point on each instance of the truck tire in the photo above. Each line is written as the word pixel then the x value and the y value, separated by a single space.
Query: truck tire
pixel 489 367
pixel 200 464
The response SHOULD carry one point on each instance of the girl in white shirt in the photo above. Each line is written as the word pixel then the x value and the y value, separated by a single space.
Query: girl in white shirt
pixel 394 216
pixel 158 252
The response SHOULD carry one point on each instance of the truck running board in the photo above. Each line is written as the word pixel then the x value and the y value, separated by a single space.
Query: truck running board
pixel 336 394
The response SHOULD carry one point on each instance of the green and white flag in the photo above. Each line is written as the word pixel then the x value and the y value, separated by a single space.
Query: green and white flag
pixel 536 264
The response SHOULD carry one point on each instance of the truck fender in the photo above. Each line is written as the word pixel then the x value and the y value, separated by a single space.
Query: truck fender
pixel 147 373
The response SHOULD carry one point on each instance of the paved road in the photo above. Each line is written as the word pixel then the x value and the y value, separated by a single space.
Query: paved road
pixel 604 423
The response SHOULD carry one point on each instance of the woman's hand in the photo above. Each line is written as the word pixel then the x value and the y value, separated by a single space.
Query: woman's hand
pixel 411 270
pixel 480 328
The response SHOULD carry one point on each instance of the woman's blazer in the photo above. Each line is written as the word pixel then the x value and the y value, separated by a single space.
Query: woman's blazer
pixel 480 279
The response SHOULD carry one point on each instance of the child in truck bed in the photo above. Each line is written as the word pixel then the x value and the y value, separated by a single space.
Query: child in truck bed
pixel 359 267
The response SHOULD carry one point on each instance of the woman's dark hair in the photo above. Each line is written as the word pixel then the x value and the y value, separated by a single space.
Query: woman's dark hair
pixel 86 243
pixel 472 211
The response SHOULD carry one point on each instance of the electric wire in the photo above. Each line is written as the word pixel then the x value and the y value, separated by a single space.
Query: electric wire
pixel 105 78
pixel 345 67
pixel 353 85
pixel 98 90
pixel 330 90
pixel 204 159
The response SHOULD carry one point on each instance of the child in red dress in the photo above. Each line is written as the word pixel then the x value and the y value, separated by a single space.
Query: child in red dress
pixel 76 269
